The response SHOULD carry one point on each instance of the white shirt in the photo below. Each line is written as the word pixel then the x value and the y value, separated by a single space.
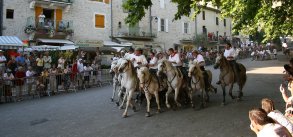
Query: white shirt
pixel 230 52
pixel 275 51
pixel 80 67
pixel 281 119
pixel 129 56
pixel 61 62
pixel 154 61
pixel 199 60
pixel 141 59
pixel 175 58
pixel 29 74
pixel 2 60
pixel 273 130
pixel 42 18
pixel 87 70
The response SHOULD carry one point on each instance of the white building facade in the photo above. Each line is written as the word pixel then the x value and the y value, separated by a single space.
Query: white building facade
pixel 64 19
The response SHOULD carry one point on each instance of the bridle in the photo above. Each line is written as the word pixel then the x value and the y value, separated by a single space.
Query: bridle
pixel 196 82
pixel 145 86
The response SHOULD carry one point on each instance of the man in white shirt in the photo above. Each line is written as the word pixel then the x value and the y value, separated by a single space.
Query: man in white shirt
pixel 2 61
pixel 29 79
pixel 174 58
pixel 80 69
pixel 42 19
pixel 139 59
pixel 130 54
pixel 201 62
pixel 153 65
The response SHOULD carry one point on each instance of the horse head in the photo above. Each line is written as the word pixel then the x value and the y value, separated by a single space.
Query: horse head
pixel 218 61
pixel 113 68
pixel 162 67
pixel 143 74
pixel 124 65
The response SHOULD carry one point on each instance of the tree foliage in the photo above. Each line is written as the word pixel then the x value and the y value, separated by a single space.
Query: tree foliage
pixel 249 16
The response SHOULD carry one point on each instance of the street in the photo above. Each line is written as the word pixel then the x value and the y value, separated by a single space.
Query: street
pixel 91 114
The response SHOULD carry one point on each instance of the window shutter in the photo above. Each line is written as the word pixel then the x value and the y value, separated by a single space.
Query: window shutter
pixel 162 4
pixel 107 1
pixel 99 21
pixel 38 12
pixel 167 25
pixel 159 24
pixel 58 17
pixel 189 28
pixel 182 28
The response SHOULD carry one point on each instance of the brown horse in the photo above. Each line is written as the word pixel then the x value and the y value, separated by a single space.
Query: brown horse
pixel 228 77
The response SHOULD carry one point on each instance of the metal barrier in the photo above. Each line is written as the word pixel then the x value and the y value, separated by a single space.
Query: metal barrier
pixel 17 89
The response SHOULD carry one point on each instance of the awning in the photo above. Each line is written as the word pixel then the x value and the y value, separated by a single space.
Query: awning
pixel 89 43
pixel 45 47
pixel 61 41
pixel 10 42
pixel 68 47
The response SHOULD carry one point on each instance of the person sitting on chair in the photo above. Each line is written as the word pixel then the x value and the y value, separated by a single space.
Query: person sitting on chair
pixel 230 55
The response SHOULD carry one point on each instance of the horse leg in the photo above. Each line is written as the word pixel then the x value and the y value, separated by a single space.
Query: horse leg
pixel 114 91
pixel 167 95
pixel 224 95
pixel 127 103
pixel 240 94
pixel 158 102
pixel 230 91
pixel 148 98
pixel 124 98
pixel 190 96
pixel 176 97
pixel 207 99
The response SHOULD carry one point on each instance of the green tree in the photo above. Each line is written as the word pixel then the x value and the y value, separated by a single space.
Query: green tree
pixel 248 16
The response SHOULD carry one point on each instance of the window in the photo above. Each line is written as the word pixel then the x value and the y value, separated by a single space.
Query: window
pixel 162 4
pixel 9 14
pixel 105 1
pixel 204 30
pixel 217 21
pixel 185 28
pixel 99 21
pixel 162 25
pixel 225 22
pixel 203 15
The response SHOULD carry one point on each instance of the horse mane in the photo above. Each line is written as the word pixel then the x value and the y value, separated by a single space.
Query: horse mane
pixel 198 71
pixel 225 62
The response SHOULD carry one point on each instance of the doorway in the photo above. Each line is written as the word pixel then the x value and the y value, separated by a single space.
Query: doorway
pixel 49 17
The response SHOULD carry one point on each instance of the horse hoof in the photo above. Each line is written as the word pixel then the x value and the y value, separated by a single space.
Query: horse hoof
pixel 147 114
pixel 192 106
pixel 124 115
pixel 168 106
pixel 178 105
pixel 159 111
pixel 112 100
pixel 134 109
pixel 117 103
pixel 223 104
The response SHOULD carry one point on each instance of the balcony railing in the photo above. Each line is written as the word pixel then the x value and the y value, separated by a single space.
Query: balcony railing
pixel 56 1
pixel 136 32
pixel 65 26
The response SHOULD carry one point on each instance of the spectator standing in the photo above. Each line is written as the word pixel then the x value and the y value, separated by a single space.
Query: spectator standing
pixel 61 62
pixel 9 79
pixel 47 60
pixel 87 69
pixel 2 61
pixel 27 61
pixel 20 60
pixel 80 68
pixel 30 79
pixel 19 82
pixel 12 65
pixel 40 64
pixel 275 53
pixel 52 79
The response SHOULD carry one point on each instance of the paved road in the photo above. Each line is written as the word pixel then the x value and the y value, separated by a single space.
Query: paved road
pixel 91 114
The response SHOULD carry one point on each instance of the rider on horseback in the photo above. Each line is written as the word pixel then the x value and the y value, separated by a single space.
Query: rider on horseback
pixel 201 62
pixel 231 55
pixel 139 59
pixel 174 58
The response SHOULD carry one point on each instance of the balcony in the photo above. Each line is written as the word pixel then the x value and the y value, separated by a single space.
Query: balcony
pixel 68 2
pixel 49 29
pixel 136 33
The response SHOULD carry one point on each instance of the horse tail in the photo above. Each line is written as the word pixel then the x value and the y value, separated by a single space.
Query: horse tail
pixel 242 76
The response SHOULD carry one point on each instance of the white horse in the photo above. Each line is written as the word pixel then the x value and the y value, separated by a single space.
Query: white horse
pixel 198 83
pixel 150 85
pixel 116 80
pixel 129 81
pixel 174 78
